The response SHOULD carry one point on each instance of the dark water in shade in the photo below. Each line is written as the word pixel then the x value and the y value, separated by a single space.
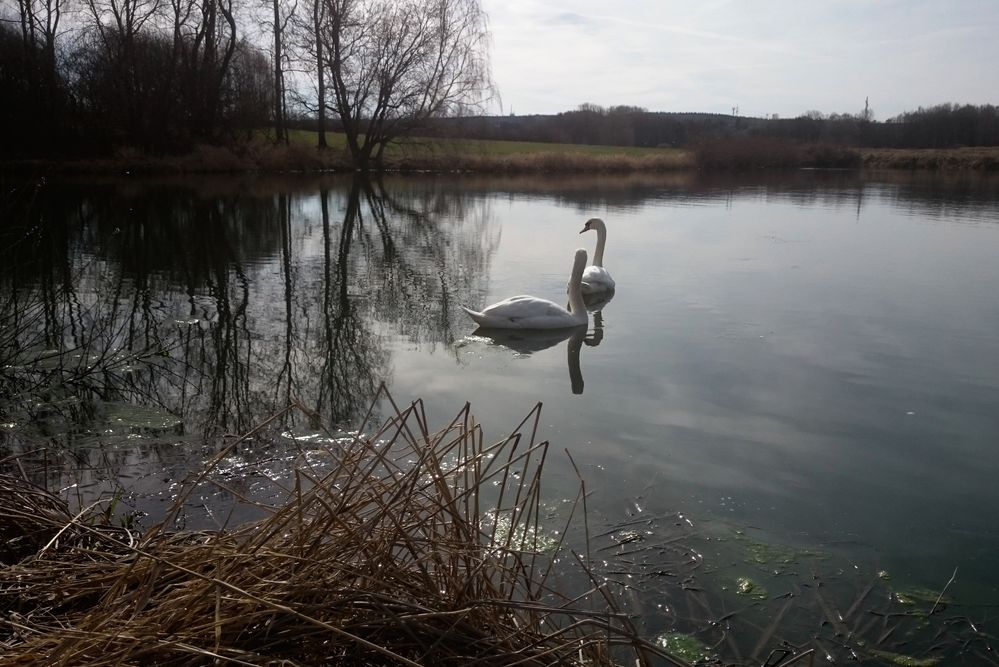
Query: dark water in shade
pixel 814 355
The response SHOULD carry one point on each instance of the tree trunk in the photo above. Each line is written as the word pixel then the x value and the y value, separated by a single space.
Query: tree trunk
pixel 321 83
pixel 280 132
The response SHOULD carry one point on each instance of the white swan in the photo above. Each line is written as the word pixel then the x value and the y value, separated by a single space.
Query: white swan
pixel 596 278
pixel 530 312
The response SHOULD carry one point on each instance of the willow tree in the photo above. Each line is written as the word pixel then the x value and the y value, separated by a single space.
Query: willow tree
pixel 394 64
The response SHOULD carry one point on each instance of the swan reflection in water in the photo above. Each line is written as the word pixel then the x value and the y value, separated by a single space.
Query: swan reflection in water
pixel 595 302
pixel 527 341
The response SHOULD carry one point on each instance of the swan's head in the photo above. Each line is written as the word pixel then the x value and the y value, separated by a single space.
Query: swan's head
pixel 579 262
pixel 593 223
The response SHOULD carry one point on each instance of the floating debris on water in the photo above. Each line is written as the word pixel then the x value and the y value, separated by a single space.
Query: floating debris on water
pixel 748 587
pixel 627 536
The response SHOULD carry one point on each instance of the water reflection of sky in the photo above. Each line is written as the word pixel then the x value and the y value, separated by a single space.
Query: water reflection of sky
pixel 815 356
pixel 810 364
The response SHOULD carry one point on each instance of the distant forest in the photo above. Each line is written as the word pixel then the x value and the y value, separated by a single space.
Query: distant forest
pixel 941 126
pixel 123 87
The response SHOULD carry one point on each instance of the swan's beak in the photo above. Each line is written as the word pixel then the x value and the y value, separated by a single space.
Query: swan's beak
pixel 584 229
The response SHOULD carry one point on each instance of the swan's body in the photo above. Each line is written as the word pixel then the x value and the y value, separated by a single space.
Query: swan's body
pixel 531 312
pixel 596 278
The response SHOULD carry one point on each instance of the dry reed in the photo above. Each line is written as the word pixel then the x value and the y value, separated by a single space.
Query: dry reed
pixel 553 162
pixel 389 558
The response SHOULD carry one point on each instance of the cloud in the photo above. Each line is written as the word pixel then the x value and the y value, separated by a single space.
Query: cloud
pixel 778 57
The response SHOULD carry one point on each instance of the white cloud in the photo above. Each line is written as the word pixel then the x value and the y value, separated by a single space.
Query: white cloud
pixel 777 57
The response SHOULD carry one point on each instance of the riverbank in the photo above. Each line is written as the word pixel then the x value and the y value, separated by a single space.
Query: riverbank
pixel 379 554
pixel 507 157
pixel 942 159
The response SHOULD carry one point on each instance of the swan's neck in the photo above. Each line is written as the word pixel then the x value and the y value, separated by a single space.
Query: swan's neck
pixel 598 255
pixel 576 304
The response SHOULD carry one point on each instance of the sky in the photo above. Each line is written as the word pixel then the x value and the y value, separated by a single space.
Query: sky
pixel 766 57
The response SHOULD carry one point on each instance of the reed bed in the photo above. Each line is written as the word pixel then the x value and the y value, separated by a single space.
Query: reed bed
pixel 933 159
pixel 414 547
pixel 554 162
pixel 769 153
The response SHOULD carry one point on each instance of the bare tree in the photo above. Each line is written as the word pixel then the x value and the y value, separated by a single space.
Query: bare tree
pixel 117 41
pixel 280 24
pixel 39 21
pixel 395 64
pixel 302 47
pixel 210 57
pixel 29 74
pixel 318 14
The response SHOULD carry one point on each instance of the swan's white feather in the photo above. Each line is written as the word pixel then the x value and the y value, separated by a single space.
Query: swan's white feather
pixel 597 279
pixel 531 312
pixel 524 312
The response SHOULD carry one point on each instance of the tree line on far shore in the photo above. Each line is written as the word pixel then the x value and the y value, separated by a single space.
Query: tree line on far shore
pixel 941 126
pixel 89 78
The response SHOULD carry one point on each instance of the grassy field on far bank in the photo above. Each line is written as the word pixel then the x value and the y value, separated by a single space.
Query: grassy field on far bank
pixel 260 154
pixel 409 146
pixel 433 154
pixel 489 156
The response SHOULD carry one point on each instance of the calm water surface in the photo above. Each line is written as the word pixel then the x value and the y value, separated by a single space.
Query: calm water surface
pixel 812 356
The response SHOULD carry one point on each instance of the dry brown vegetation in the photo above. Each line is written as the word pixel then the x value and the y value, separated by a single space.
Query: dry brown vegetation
pixel 545 162
pixel 766 152
pixel 710 155
pixel 392 557
pixel 932 158
pixel 266 157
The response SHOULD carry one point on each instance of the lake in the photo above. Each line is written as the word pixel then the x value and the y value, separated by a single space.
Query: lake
pixel 810 358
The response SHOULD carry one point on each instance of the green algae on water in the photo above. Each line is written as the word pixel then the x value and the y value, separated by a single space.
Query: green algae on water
pixel 916 594
pixel 777 556
pixel 683 646
pixel 905 660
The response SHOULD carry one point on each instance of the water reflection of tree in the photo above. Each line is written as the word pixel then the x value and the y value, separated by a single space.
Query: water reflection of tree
pixel 386 270
pixel 352 361
pixel 220 305
pixel 435 246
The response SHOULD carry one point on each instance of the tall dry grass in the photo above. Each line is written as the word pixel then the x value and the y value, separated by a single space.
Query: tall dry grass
pixel 769 153
pixel 415 548
pixel 943 159
pixel 547 162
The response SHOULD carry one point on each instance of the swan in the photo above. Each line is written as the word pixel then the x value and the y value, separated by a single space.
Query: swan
pixel 595 277
pixel 530 312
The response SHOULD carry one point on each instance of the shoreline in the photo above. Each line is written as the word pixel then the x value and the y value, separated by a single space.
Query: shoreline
pixel 545 158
